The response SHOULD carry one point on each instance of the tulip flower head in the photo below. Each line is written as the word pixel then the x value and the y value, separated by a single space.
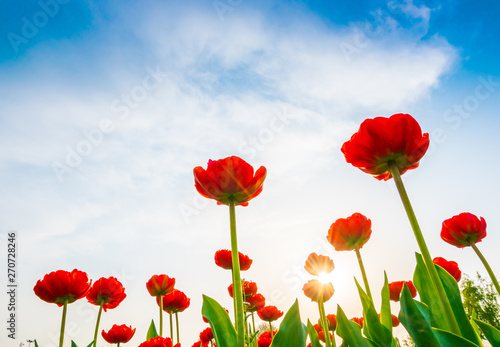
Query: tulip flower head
pixel 358 320
pixel 464 229
pixel 118 334
pixel 347 234
pixel 318 264
pixel 159 342
pixel 229 178
pixel 206 335
pixel 255 302
pixel 175 301
pixel 331 319
pixel 269 313
pixel 108 292
pixel 159 285
pixel 224 260
pixel 62 286
pixel 249 289
pixel 381 140
pixel 395 289
pixel 316 290
pixel 450 266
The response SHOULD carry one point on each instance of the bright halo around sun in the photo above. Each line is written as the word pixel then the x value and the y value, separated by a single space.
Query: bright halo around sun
pixel 324 277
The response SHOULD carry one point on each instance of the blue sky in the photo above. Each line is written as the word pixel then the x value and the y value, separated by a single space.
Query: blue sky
pixel 108 106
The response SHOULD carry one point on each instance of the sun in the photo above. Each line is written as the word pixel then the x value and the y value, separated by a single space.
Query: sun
pixel 324 277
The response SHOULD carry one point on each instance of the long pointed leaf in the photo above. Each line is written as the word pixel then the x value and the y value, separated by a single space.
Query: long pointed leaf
pixel 292 332
pixel 313 335
pixel 447 338
pixel 492 334
pixel 222 328
pixel 415 317
pixel 349 331
pixel 151 331
pixel 385 310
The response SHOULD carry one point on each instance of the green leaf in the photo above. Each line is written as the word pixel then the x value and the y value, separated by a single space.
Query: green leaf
pixel 492 334
pixel 292 332
pixel 36 343
pixel 372 328
pixel 385 310
pixel 447 338
pixel 415 317
pixel 349 331
pixel 73 344
pixel 151 331
pixel 313 335
pixel 453 293
pixel 90 344
pixel 222 328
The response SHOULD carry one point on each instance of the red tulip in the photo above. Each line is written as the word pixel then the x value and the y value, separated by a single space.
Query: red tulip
pixel 395 320
pixel 175 301
pixel 321 333
pixel 348 233
pixel 269 313
pixel 463 230
pixel 255 302
pixel 450 266
pixel 206 335
pixel 331 319
pixel 160 285
pixel 317 264
pixel 108 292
pixel 224 260
pixel 249 289
pixel 380 140
pixel 62 286
pixel 229 178
pixel 118 334
pixel 159 342
pixel 395 289
pixel 315 290
pixel 358 320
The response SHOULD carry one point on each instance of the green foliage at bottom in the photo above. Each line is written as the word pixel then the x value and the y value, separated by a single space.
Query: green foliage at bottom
pixel 292 331
pixel 222 328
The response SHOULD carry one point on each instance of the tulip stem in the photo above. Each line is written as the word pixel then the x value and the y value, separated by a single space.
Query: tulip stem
pixel 177 325
pixel 63 323
pixel 161 315
pixel 171 327
pixel 237 287
pixel 97 324
pixel 324 323
pixel 271 330
pixel 436 281
pixel 487 266
pixel 363 272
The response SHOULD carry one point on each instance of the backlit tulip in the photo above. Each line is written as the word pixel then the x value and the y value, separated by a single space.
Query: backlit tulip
pixel 315 290
pixel 175 301
pixel 62 286
pixel 118 334
pixel 331 319
pixel 396 287
pixel 463 229
pixel 269 313
pixel 317 264
pixel 108 292
pixel 159 285
pixel 223 259
pixel 229 178
pixel 346 234
pixel 380 140
pixel 450 266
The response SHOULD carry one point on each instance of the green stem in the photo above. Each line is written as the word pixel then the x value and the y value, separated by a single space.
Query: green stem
pixel 161 315
pixel 253 323
pixel 63 324
pixel 118 345
pixel 97 324
pixel 436 281
pixel 171 327
pixel 487 266
pixel 177 325
pixel 237 287
pixel 324 323
pixel 363 272
pixel 271 330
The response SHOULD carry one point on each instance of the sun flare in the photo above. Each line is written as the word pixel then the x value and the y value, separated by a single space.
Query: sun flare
pixel 324 277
